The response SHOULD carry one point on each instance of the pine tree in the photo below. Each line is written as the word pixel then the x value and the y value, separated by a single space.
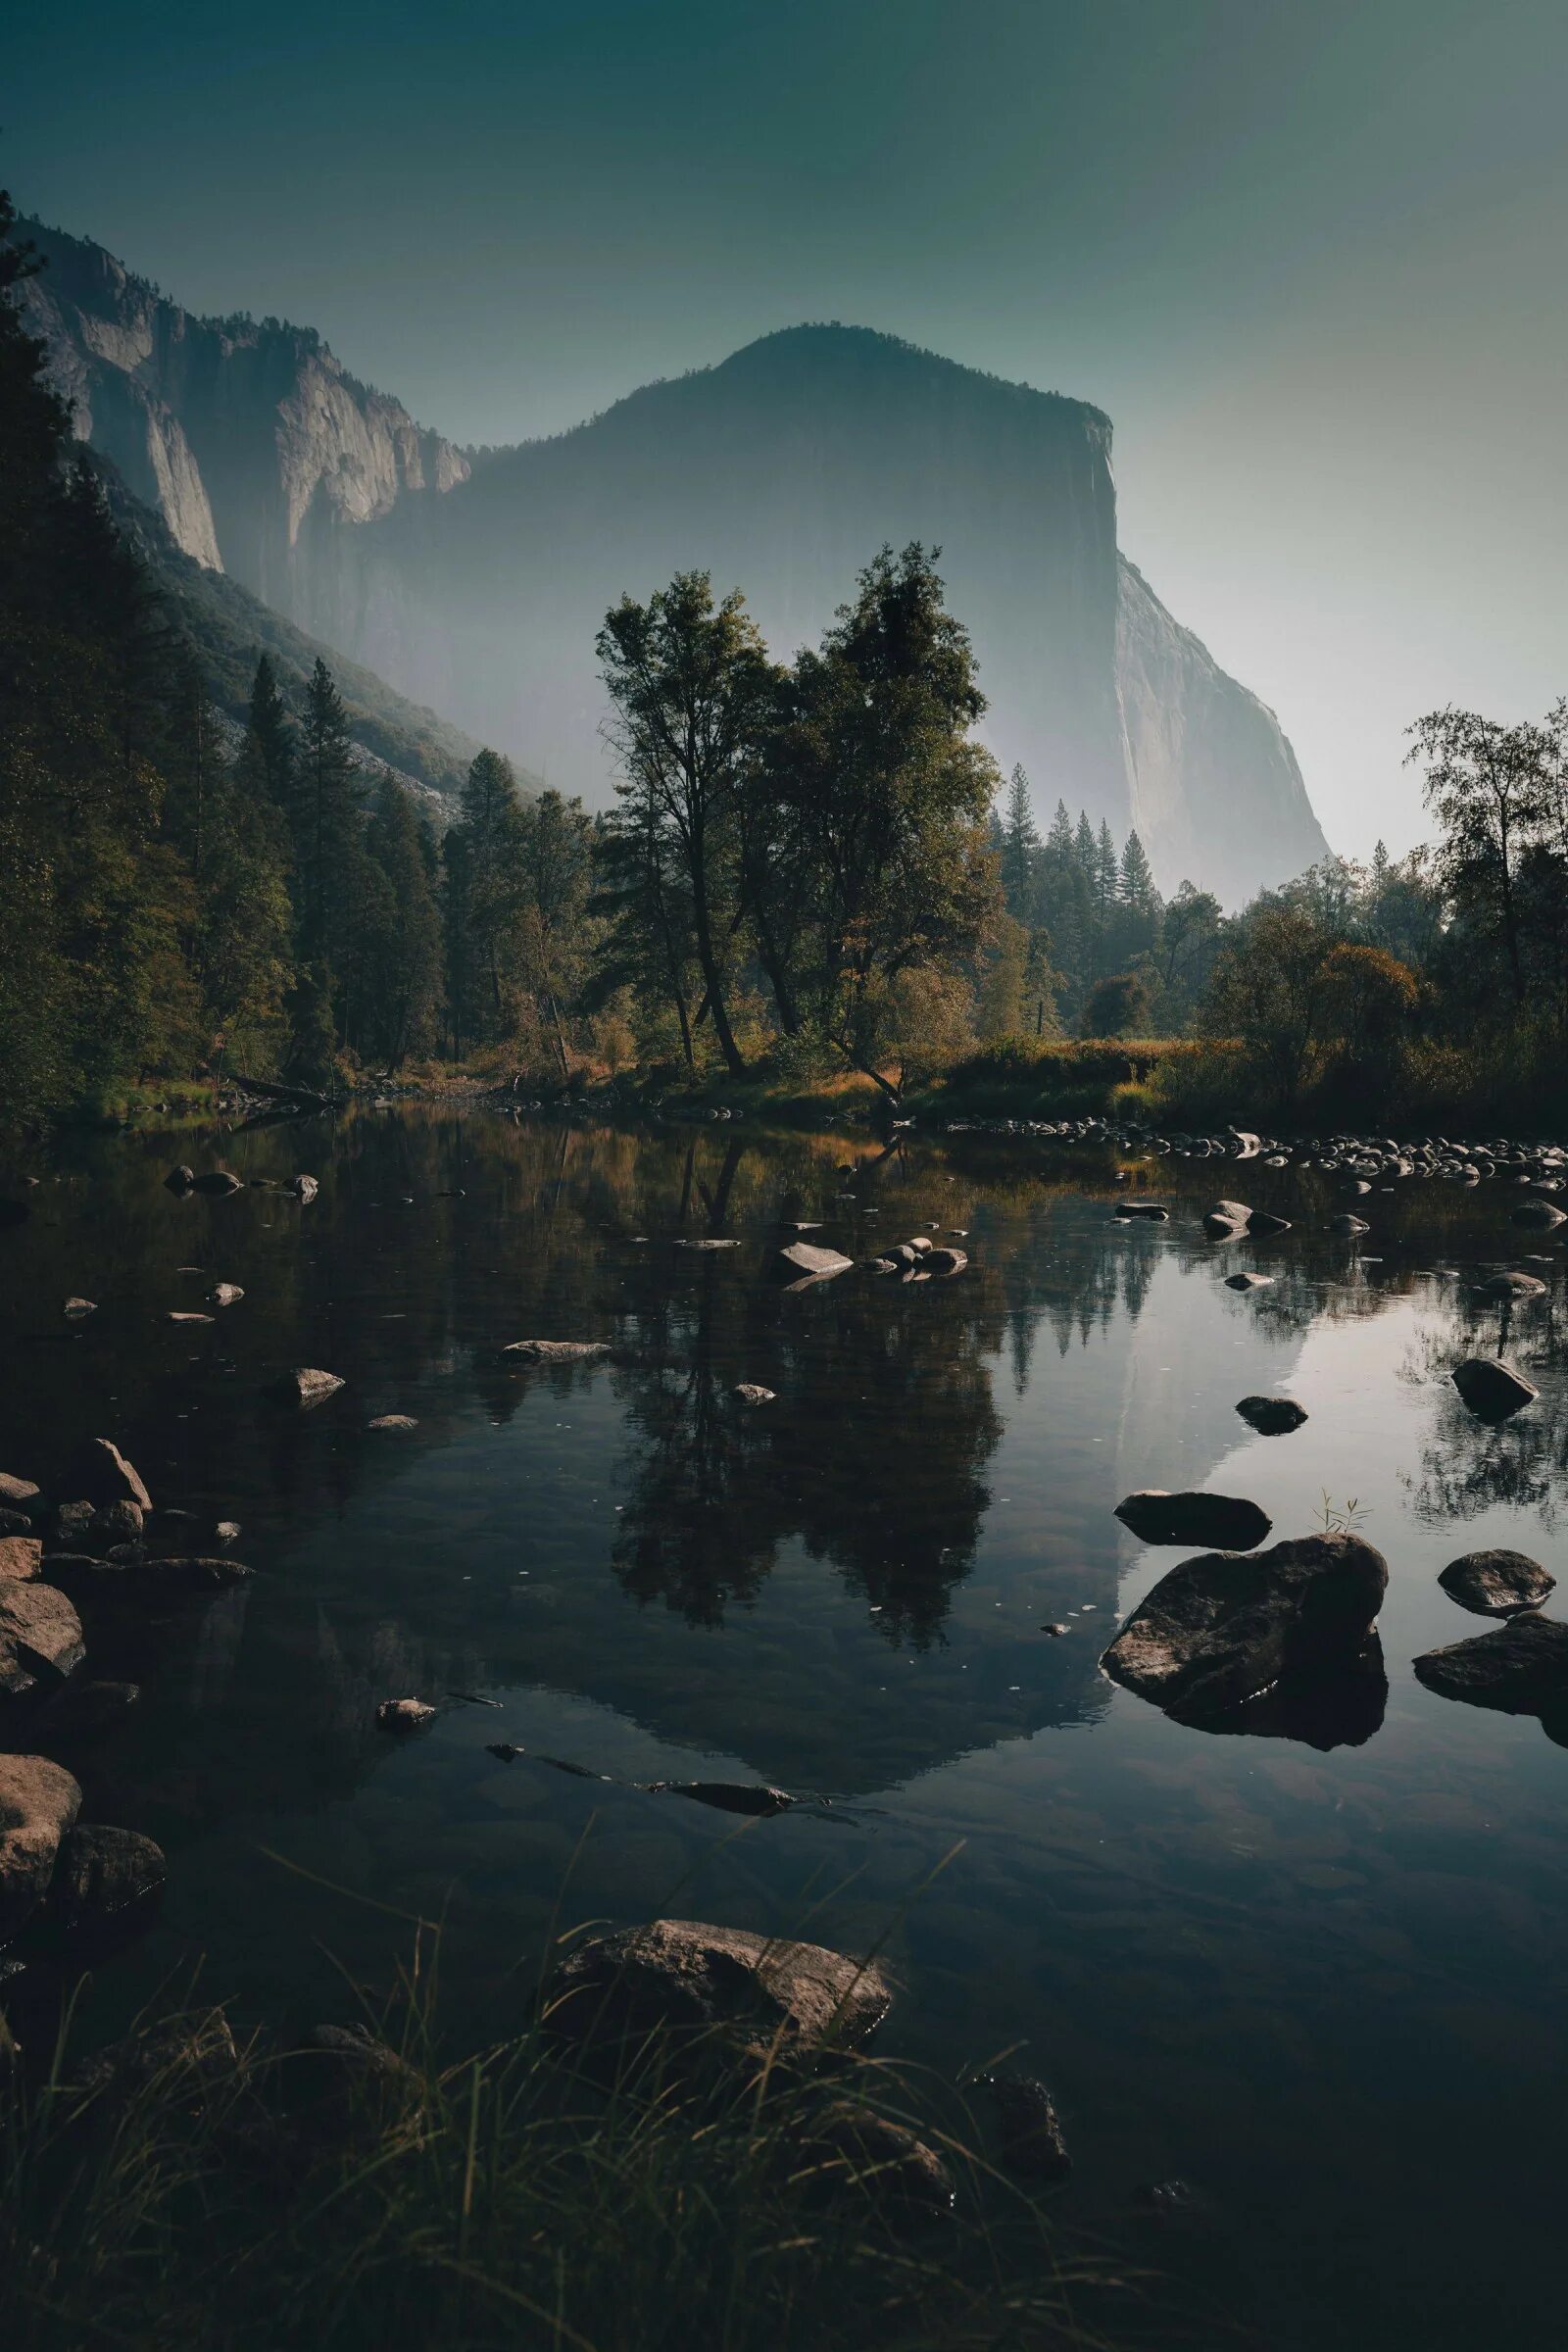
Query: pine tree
pixel 268 756
pixel 1107 869
pixel 1020 848
pixel 491 856
pixel 327 816
pixel 1137 892
pixel 400 932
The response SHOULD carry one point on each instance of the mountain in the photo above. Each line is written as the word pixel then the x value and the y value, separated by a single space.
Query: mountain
pixel 228 628
pixel 477 583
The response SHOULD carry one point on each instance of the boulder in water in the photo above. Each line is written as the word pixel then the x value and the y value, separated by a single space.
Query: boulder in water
pixel 305 1387
pixel 555 1351
pixel 38 1805
pixel 100 1474
pixel 1496 1584
pixel 1218 1629
pixel 1272 1416
pixel 692 1980
pixel 40 1636
pixel 804 1261
pixel 1521 1669
pixel 104 1871
pixel 1228 1522
pixel 1493 1390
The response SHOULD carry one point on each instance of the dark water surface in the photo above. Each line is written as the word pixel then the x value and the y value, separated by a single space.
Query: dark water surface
pixel 1322 1987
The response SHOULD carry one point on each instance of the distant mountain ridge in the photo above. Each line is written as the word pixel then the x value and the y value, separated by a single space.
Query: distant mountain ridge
pixel 477 587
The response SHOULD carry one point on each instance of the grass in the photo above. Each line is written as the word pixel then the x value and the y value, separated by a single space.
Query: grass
pixel 243 2198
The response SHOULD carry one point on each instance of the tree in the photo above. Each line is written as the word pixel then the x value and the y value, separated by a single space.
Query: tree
pixel 1020 847
pixel 327 816
pixel 556 879
pixel 1490 787
pixel 1369 998
pixel 267 757
pixel 1117 1007
pixel 999 995
pixel 1268 991
pixel 876 759
pixel 691 689
pixel 485 976
pixel 403 927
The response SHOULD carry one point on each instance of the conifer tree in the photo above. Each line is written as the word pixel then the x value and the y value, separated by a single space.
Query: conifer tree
pixel 327 816
pixel 1020 848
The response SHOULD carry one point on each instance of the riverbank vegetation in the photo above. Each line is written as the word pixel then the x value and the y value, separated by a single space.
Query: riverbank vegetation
pixel 814 885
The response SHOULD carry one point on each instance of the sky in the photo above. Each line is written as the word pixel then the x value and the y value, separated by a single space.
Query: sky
pixel 1310 254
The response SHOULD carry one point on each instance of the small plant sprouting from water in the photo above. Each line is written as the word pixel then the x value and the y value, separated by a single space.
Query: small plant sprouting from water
pixel 1341 1518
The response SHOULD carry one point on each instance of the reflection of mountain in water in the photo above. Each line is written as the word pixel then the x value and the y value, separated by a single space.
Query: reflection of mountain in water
pixel 841 1590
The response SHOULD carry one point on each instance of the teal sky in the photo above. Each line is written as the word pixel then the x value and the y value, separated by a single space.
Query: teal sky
pixel 1311 256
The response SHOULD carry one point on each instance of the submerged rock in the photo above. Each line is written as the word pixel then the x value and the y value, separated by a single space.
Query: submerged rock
pixel 1248 1281
pixel 876 2157
pixel 1347 1226
pixel 1496 1584
pixel 1540 1213
pixel 728 1796
pixel 304 1387
pixel 304 1188
pixel 403 1714
pixel 180 1179
pixel 225 1293
pixel 398 1423
pixel 1521 1669
pixel 1228 1522
pixel 1218 1629
pixel 690 1979
pixel 1264 1221
pixel 104 1871
pixel 38 1806
pixel 1511 1286
pixel 805 1260
pixel 1149 1210
pixel 556 1352
pixel 1491 1389
pixel 79 1308
pixel 752 1391
pixel 1272 1416
pixel 218 1182
pixel 1027 2130
pixel 946 1261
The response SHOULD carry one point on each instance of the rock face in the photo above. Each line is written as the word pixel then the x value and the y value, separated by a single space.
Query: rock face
pixel 38 1803
pixel 1230 1522
pixel 1496 1584
pixel 478 588
pixel 684 1976
pixel 1522 1669
pixel 1218 1629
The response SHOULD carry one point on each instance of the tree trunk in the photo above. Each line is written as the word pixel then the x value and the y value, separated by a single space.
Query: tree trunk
pixel 733 1061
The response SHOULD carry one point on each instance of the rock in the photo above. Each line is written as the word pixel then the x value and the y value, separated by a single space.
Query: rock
pixel 84 1711
pixel 882 1265
pixel 1028 2132
pixel 1226 1220
pixel 400 1423
pixel 357 2075
pixel 1248 1281
pixel 79 1308
pixel 305 1190
pixel 185 1315
pixel 21 1558
pixel 225 1293
pixel 1228 1522
pixel 1511 1286
pixel 218 1182
pixel 403 1714
pixel 193 1572
pixel 119 1522
pixel 556 1352
pixel 194 2054
pixel 1496 1584
pixel 1347 1226
pixel 705 1242
pixel 1264 1221
pixel 1272 1416
pixel 305 1387
pixel 14 1523
pixel 103 1871
pixel 38 1806
pixel 18 1492
pixel 805 1258
pixel 74 1523
pixel 728 1796
pixel 40 1636
pixel 1146 1209
pixel 1218 1629
pixel 1057 1630
pixel 1542 1213
pixel 99 1473
pixel 691 1979
pixel 866 2152
pixel 179 1180
pixel 750 1392
pixel 226 1530
pixel 1521 1669
pixel 1491 1389
pixel 946 1261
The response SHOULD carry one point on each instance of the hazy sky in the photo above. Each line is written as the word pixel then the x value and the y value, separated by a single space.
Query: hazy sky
pixel 1309 253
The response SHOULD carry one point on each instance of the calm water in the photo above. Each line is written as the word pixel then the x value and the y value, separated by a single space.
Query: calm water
pixel 1324 1987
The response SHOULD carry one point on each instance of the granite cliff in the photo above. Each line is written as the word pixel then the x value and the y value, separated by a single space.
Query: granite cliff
pixel 476 586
